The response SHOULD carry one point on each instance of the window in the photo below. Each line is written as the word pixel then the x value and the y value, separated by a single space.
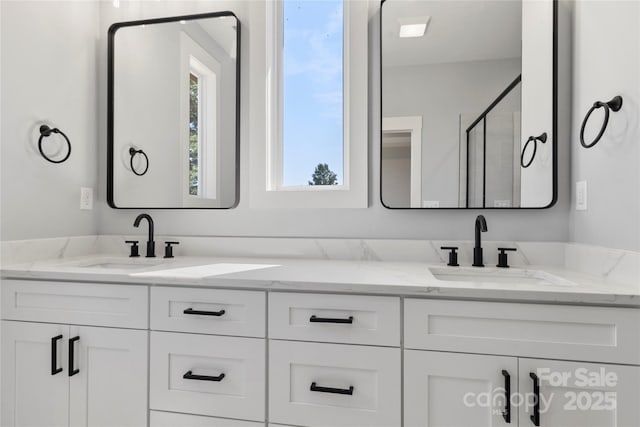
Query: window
pixel 199 118
pixel 195 177
pixel 312 137
pixel 315 106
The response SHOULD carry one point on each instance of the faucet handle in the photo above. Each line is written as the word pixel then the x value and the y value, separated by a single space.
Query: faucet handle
pixel 168 249
pixel 134 248
pixel 503 261
pixel 453 255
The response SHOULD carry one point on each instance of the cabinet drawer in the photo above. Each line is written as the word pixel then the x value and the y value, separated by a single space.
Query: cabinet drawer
pixel 240 393
pixel 170 419
pixel 312 317
pixel 549 331
pixel 213 311
pixel 122 306
pixel 295 368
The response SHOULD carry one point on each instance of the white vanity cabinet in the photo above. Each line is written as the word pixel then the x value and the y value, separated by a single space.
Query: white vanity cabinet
pixel 208 356
pixel 322 382
pixel 458 355
pixel 56 374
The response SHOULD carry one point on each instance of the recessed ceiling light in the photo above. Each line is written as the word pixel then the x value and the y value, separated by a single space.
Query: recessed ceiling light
pixel 116 3
pixel 183 22
pixel 412 30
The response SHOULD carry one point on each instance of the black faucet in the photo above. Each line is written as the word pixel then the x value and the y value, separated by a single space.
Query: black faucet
pixel 481 226
pixel 151 244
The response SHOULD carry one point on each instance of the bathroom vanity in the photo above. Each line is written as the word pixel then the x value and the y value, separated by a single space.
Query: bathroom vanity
pixel 244 342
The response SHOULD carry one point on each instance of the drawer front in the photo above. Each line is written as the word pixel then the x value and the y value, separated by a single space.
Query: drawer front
pixel 170 419
pixel 533 330
pixel 203 359
pixel 310 317
pixel 122 306
pixel 208 311
pixel 295 368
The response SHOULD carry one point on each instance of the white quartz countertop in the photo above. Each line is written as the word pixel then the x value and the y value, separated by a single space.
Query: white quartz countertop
pixel 310 275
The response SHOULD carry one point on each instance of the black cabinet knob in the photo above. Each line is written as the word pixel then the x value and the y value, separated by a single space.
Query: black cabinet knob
pixel 135 252
pixel 453 255
pixel 503 261
pixel 168 249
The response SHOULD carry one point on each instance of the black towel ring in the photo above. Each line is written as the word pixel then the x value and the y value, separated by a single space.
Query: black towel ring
pixel 542 138
pixel 614 105
pixel 133 152
pixel 46 131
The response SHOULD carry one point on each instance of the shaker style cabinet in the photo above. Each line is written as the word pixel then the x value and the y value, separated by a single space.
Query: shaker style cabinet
pixel 61 375
pixel 58 373
pixel 451 389
pixel 576 394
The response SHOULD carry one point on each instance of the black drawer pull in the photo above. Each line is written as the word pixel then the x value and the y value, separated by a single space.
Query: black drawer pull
pixel 190 376
pixel 72 371
pixel 203 313
pixel 54 355
pixel 347 391
pixel 507 394
pixel 314 319
pixel 535 418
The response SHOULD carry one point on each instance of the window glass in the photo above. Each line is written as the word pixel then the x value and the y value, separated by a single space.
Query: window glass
pixel 313 150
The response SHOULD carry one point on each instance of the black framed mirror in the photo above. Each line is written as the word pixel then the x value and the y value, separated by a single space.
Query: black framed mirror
pixel 469 104
pixel 173 126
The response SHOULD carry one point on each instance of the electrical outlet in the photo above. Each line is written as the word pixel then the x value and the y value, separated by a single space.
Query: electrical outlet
pixel 581 195
pixel 86 198
pixel 502 203
pixel 431 203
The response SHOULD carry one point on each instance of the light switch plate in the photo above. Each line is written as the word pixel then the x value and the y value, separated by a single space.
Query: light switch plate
pixel 581 195
pixel 86 198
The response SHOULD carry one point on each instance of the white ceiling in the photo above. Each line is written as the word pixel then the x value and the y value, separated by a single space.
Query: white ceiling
pixel 459 31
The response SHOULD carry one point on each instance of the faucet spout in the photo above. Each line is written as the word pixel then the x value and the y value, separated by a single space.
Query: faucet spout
pixel 481 226
pixel 151 244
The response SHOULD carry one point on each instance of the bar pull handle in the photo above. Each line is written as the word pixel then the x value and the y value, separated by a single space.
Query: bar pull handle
pixel 72 371
pixel 347 391
pixel 535 418
pixel 204 313
pixel 54 355
pixel 506 414
pixel 190 376
pixel 314 319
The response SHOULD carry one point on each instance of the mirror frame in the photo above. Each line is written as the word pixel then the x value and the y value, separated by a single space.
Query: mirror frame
pixel 554 126
pixel 110 104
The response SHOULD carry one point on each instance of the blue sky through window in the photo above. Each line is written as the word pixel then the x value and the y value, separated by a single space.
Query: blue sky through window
pixel 313 106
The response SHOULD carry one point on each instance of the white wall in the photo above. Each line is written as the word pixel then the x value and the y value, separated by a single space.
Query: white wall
pixel 606 62
pixel 49 52
pixel 376 221
pixel 57 58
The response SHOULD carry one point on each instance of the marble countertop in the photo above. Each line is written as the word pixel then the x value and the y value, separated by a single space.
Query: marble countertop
pixel 338 276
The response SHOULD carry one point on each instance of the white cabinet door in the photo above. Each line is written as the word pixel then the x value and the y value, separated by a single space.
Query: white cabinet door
pixel 451 389
pixel 575 394
pixel 110 386
pixel 32 395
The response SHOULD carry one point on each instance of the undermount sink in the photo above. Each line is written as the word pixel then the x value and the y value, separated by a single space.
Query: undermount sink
pixel 496 275
pixel 121 264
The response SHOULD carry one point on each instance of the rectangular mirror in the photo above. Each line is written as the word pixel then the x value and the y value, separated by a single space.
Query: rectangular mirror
pixel 173 113
pixel 468 104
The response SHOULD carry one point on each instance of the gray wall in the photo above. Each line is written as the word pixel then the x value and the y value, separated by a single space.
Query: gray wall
pixel 49 53
pixel 440 93
pixel 606 62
